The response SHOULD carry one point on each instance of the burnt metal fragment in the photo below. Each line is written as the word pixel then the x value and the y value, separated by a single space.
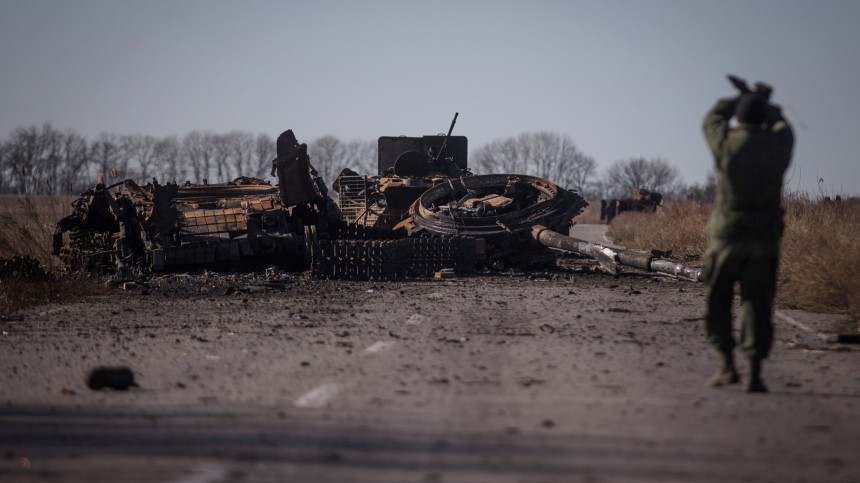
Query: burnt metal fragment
pixel 119 378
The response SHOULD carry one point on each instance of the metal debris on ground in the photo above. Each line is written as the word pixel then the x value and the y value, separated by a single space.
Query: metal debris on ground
pixel 445 273
pixel 119 378
pixel 22 268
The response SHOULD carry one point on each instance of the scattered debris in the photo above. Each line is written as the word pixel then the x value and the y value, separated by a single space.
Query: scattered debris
pixel 530 381
pixel 22 268
pixel 119 378
pixel 843 338
pixel 444 273
pixel 453 340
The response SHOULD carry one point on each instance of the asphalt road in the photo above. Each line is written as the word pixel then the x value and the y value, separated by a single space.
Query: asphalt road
pixel 568 375
pixel 594 233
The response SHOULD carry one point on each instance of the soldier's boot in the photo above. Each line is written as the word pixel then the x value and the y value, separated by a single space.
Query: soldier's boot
pixel 755 384
pixel 726 374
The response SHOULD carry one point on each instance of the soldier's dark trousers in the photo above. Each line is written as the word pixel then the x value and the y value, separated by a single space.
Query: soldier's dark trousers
pixel 754 266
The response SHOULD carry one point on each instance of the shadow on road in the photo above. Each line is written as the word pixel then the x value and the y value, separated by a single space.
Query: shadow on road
pixel 308 439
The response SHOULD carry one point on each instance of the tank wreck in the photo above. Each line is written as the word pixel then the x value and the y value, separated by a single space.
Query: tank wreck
pixel 154 228
pixel 422 214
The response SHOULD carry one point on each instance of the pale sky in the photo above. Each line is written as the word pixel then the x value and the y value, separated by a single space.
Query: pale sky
pixel 622 78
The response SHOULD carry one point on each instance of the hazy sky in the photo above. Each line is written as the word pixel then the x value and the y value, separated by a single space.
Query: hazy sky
pixel 622 78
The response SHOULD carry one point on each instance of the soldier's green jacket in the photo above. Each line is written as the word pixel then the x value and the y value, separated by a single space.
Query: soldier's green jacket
pixel 752 161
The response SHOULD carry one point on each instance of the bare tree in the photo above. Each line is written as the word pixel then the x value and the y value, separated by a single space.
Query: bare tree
pixel 105 153
pixel 4 166
pixel 43 160
pixel 199 149
pixel 222 153
pixel 49 165
pixel 360 156
pixel 167 157
pixel 650 174
pixel 264 153
pixel 545 154
pixel 242 146
pixel 23 152
pixel 328 156
pixel 562 162
pixel 509 155
pixel 74 176
pixel 141 150
pixel 703 193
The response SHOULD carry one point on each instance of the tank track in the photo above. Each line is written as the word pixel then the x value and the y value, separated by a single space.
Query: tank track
pixel 354 231
pixel 341 259
pixel 431 254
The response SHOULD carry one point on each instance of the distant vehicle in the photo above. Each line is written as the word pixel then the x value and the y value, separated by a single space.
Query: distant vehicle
pixel 639 200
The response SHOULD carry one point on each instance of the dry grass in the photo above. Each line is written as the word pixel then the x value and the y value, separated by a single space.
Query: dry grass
pixel 677 226
pixel 820 256
pixel 18 294
pixel 28 224
pixel 590 215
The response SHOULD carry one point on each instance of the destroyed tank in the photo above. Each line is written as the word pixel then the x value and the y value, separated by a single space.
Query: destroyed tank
pixel 371 245
pixel 422 214
pixel 425 195
pixel 444 218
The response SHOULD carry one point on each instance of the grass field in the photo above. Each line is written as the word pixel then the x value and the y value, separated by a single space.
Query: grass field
pixel 820 256
pixel 590 215
pixel 28 223
pixel 26 227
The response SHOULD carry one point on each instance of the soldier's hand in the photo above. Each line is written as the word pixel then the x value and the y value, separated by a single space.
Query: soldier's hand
pixel 773 115
pixel 764 90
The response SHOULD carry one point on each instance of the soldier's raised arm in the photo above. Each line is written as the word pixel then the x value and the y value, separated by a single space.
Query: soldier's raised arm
pixel 780 126
pixel 716 125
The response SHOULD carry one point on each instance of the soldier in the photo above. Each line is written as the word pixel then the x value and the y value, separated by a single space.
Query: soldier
pixel 745 227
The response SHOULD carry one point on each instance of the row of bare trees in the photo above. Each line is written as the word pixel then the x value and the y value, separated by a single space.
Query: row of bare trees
pixel 556 157
pixel 544 154
pixel 46 160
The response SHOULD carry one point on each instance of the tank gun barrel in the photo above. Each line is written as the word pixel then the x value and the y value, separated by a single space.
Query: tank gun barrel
pixel 610 259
